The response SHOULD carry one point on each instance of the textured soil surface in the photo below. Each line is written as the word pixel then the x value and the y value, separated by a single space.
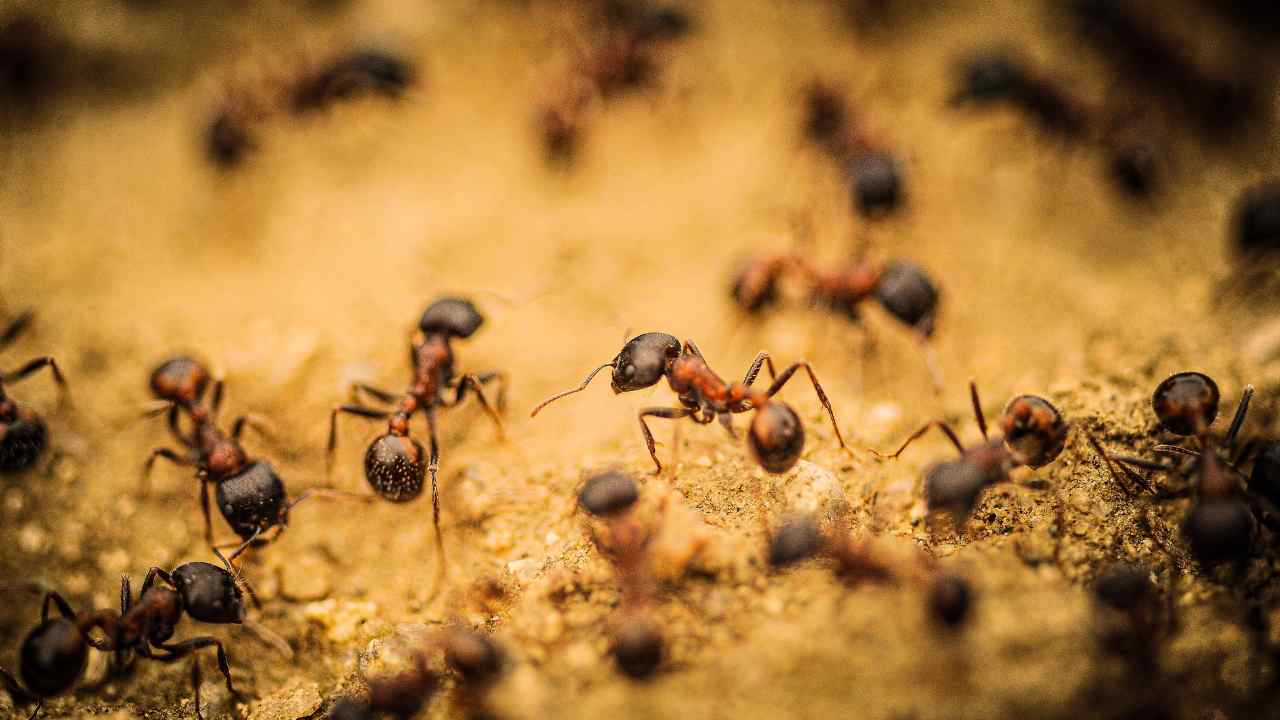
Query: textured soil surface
pixel 306 268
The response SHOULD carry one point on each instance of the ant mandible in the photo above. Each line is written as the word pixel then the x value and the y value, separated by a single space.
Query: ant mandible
pixel 1034 434
pixel 55 652
pixel 23 435
pixel 249 493
pixel 393 463
pixel 776 435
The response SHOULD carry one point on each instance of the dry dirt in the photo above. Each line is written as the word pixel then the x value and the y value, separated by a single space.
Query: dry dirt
pixel 307 268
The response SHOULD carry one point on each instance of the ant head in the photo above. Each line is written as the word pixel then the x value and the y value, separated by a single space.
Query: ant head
pixel 53 656
pixel 473 656
pixel 24 439
pixel 905 292
pixel 644 361
pixel 990 76
pixel 395 466
pixel 950 599
pixel 181 380
pixel 209 593
pixel 953 486
pixel 608 494
pixel 638 647
pixel 877 183
pixel 1186 403
pixel 1220 530
pixel 456 317
pixel 776 437
pixel 798 539
pixel 1124 586
pixel 1034 430
pixel 1255 221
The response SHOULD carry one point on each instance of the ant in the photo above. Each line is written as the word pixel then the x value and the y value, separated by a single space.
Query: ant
pixel 364 71
pixel 23 435
pixel 476 659
pixel 776 435
pixel 55 652
pixel 902 288
pixel 393 463
pixel 999 76
pixel 875 174
pixel 1034 435
pixel 1220 525
pixel 853 560
pixel 249 493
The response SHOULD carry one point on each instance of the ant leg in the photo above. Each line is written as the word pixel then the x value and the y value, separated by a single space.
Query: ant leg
pixel 977 409
pixel 817 387
pixel 144 484
pixel 64 608
pixel 940 424
pixel 931 363
pixel 177 651
pixel 762 358
pixel 1134 477
pixel 204 508
pixel 350 409
pixel 257 422
pixel 383 396
pixel 15 690
pixel 432 467
pixel 1139 462
pixel 16 327
pixel 33 366
pixel 1241 410
pixel 690 346
pixel 726 421
pixel 195 684
pixel 471 381
pixel 215 400
pixel 496 375
pixel 126 594
pixel 662 412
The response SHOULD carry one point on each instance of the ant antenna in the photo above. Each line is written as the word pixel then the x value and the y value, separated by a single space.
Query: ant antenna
pixel 578 389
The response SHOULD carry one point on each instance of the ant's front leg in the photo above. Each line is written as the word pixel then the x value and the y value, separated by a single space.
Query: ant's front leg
pixel 940 424
pixel 662 412
pixel 177 651
pixel 726 421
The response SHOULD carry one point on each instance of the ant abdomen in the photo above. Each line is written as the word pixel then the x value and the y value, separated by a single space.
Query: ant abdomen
pixel 776 437
pixel 22 440
pixel 253 499
pixel 53 656
pixel 395 468
pixel 1220 530
pixel 907 293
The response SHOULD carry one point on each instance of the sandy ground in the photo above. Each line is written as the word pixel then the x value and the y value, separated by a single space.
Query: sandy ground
pixel 307 268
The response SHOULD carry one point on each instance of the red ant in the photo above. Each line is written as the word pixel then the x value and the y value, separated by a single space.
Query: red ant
pixel 23 435
pixel 54 653
pixel 1034 434
pixel 776 435
pixel 393 464
pixel 249 493
pixel 901 287
pixel 875 174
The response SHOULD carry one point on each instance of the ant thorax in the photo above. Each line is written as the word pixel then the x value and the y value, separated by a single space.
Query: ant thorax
pixel 433 364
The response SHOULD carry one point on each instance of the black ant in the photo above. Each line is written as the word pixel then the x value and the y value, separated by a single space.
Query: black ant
pixel 776 435
pixel 249 493
pixel 1034 434
pixel 901 287
pixel 361 72
pixel 54 653
pixel 476 659
pixel 875 174
pixel 394 463
pixel 23 435
pixel 1221 525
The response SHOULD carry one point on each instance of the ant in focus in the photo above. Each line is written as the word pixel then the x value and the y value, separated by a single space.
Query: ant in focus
pixel 874 173
pixel 23 435
pixel 776 435
pixel 393 464
pixel 902 288
pixel 55 653
pixel 249 493
pixel 1221 524
pixel 1034 435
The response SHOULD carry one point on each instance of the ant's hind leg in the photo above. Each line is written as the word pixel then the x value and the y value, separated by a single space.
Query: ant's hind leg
pixel 662 412
pixel 782 379
pixel 177 651
pixel 350 409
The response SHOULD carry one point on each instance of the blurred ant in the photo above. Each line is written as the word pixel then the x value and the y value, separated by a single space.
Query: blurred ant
pixel 23 435
pixel 874 173
pixel 249 493
pixel 54 653
pixel 853 560
pixel 1220 525
pixel 1132 622
pixel 1034 434
pixel 476 659
pixel 358 73
pixel 394 463
pixel 902 288
pixel 1255 220
pixel 776 435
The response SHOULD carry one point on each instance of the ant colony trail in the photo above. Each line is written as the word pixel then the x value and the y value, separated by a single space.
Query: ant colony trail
pixel 941 346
